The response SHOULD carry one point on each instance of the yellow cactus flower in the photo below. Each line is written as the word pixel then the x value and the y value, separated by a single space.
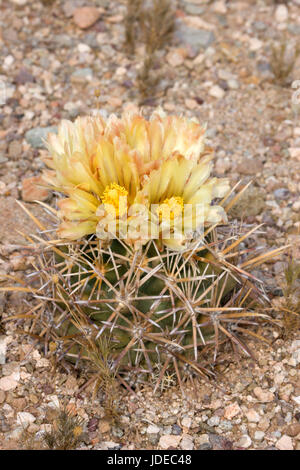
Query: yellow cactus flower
pixel 114 199
pixel 71 151
pixel 172 208
pixel 93 167
pixel 163 136
pixel 113 171
pixel 78 213
pixel 179 196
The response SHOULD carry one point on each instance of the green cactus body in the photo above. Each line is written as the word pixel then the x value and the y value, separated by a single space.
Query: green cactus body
pixel 135 305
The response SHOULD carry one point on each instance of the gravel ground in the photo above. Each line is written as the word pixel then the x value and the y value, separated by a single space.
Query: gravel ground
pixel 218 68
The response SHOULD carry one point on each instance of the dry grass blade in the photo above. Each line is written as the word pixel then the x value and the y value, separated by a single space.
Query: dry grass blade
pixel 131 21
pixel 66 432
pixel 290 304
pixel 157 26
pixel 283 60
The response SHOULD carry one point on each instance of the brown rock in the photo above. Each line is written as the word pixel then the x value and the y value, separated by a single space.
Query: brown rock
pixel 293 429
pixel 104 426
pixel 114 101
pixel 264 396
pixel 217 92
pixel 285 392
pixel 244 442
pixel 2 396
pixel 295 152
pixel 231 411
pixel 86 16
pixel 71 385
pixel 115 19
pixel 19 403
pixel 69 7
pixel 191 103
pixel 252 416
pixel 24 418
pixel 251 203
pixel 198 23
pixel 264 424
pixel 168 441
pixel 222 165
pixel 24 76
pixel 187 442
pixel 250 166
pixel 174 58
pixel 285 443
pixel 14 149
pixel 7 383
pixel 31 191
pixel 33 398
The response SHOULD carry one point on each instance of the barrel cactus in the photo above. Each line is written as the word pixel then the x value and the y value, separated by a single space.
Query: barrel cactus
pixel 143 258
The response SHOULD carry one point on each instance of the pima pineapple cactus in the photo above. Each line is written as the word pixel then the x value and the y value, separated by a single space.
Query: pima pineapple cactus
pixel 146 259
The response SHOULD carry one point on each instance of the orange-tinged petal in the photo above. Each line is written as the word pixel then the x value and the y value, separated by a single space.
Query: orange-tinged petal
pixel 75 230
